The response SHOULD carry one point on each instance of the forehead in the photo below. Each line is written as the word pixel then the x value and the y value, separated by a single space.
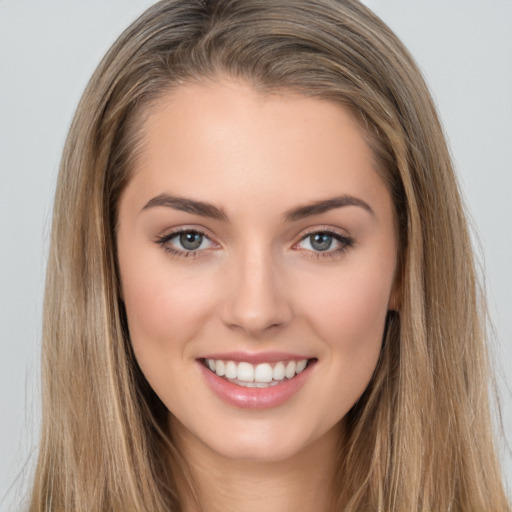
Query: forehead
pixel 228 141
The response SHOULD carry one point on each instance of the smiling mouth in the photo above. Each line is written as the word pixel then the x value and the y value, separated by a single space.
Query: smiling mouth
pixel 263 375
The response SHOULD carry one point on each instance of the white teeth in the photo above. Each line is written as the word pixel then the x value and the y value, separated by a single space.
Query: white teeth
pixel 255 384
pixel 220 368
pixel 231 370
pixel 278 371
pixel 261 375
pixel 301 365
pixel 245 372
pixel 290 369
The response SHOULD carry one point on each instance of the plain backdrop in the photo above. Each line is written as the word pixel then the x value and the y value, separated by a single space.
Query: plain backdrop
pixel 48 50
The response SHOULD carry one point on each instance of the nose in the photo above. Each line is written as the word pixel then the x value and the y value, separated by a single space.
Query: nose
pixel 256 300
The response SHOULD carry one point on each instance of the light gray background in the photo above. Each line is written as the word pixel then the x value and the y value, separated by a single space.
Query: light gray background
pixel 49 49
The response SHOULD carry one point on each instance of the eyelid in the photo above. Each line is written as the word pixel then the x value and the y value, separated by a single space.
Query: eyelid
pixel 344 239
pixel 323 229
pixel 163 241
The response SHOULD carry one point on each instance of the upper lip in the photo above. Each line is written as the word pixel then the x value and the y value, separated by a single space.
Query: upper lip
pixel 256 358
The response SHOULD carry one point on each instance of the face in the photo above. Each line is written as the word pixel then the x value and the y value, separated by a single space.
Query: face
pixel 257 253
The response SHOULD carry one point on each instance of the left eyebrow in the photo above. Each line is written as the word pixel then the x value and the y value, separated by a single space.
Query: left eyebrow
pixel 325 205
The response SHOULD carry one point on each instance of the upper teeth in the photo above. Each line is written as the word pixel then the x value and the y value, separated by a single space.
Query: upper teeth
pixel 264 372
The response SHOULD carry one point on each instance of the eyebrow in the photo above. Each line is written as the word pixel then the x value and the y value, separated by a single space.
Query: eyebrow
pixel 187 205
pixel 325 205
pixel 205 209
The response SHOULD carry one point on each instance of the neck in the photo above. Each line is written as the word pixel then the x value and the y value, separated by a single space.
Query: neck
pixel 303 482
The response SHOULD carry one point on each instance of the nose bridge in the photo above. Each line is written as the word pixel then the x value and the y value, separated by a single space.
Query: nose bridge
pixel 257 300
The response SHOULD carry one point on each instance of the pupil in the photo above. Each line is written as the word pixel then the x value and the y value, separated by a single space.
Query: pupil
pixel 191 240
pixel 321 241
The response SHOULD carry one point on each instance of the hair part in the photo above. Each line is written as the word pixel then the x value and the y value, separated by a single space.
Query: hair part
pixel 420 436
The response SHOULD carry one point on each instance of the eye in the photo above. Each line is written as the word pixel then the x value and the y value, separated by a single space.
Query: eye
pixel 185 242
pixel 326 242
pixel 320 241
pixel 190 240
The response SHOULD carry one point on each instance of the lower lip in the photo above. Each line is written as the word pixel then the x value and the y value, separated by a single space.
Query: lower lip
pixel 255 398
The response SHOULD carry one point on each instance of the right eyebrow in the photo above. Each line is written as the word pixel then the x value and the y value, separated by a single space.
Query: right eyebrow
pixel 186 205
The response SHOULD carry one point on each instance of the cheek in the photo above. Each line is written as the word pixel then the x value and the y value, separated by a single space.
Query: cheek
pixel 165 307
pixel 350 299
pixel 166 310
pixel 349 314
pixel 350 320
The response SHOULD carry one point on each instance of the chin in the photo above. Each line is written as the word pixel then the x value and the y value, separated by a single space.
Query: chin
pixel 270 443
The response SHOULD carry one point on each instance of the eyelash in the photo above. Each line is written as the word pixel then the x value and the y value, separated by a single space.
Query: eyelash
pixel 164 240
pixel 345 241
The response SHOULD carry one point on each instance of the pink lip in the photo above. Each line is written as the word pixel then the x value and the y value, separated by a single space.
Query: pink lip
pixel 256 358
pixel 255 398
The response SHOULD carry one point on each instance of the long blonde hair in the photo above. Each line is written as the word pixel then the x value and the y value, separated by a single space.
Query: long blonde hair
pixel 420 438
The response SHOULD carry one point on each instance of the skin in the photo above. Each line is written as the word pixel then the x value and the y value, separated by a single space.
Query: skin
pixel 256 284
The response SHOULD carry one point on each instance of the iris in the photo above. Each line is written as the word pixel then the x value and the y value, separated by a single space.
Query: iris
pixel 321 241
pixel 190 240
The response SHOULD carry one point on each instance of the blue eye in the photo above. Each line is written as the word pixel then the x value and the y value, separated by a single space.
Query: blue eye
pixel 325 242
pixel 185 242
pixel 320 241
pixel 190 240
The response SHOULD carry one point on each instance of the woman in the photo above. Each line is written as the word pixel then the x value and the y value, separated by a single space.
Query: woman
pixel 260 291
